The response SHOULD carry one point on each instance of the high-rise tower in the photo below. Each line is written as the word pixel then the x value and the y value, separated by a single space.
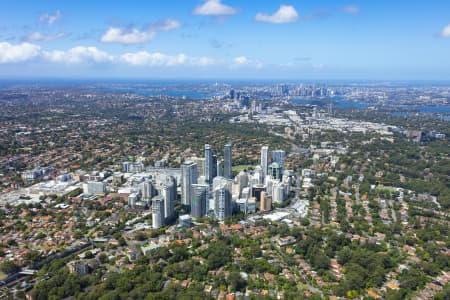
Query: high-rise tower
pixel 264 160
pixel 278 156
pixel 200 194
pixel 189 176
pixel 158 212
pixel 209 167
pixel 227 161
pixel 222 202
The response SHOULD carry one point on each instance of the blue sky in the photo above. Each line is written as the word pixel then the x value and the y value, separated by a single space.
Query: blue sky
pixel 384 40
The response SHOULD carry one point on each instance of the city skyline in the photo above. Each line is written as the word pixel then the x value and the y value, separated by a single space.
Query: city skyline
pixel 226 39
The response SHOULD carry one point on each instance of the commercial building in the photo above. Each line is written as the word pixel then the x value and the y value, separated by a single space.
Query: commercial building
pixel 275 171
pixel 147 191
pixel 132 167
pixel 227 161
pixel 222 202
pixel 278 193
pixel 185 221
pixel 189 177
pixel 169 193
pixel 200 195
pixel 264 159
pixel 246 206
pixel 278 156
pixel 265 203
pixel 94 188
pixel 158 219
pixel 209 164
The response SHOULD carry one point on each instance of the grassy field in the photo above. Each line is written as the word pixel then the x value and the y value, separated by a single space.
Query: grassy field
pixel 239 168
pixel 2 276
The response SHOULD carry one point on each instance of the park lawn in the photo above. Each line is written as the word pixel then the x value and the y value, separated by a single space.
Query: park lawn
pixel 239 168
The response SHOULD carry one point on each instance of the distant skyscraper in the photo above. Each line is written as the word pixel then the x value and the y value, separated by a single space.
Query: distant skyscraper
pixel 200 194
pixel 169 193
pixel 278 157
pixel 189 176
pixel 209 167
pixel 227 161
pixel 242 180
pixel 222 202
pixel 214 165
pixel 258 175
pixel 146 190
pixel 275 171
pixel 220 167
pixel 264 159
pixel 157 212
pixel 253 108
pixel 266 202
pixel 200 161
pixel 232 94
pixel 132 200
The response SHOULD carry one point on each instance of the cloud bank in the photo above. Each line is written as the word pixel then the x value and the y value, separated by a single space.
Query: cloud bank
pixel 21 53
pixel 10 53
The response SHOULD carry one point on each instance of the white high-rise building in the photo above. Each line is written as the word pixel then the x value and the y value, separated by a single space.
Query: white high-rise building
pixel 146 190
pixel 169 193
pixel 278 193
pixel 227 161
pixel 189 177
pixel 242 180
pixel 264 160
pixel 222 201
pixel 200 196
pixel 218 181
pixel 209 167
pixel 258 176
pixel 246 193
pixel 158 219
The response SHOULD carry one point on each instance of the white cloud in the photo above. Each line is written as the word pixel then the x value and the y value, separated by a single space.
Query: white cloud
pixel 285 14
pixel 214 8
pixel 166 25
pixel 136 36
pixel 122 36
pixel 49 18
pixel 10 53
pixel 78 55
pixel 445 33
pixel 37 36
pixel 144 58
pixel 351 9
pixel 240 60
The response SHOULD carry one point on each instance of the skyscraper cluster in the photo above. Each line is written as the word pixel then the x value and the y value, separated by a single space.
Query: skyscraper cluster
pixel 158 192
pixel 208 187
pixel 209 192
pixel 216 193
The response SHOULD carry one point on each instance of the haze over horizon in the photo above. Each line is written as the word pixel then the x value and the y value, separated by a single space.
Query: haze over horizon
pixel 324 40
